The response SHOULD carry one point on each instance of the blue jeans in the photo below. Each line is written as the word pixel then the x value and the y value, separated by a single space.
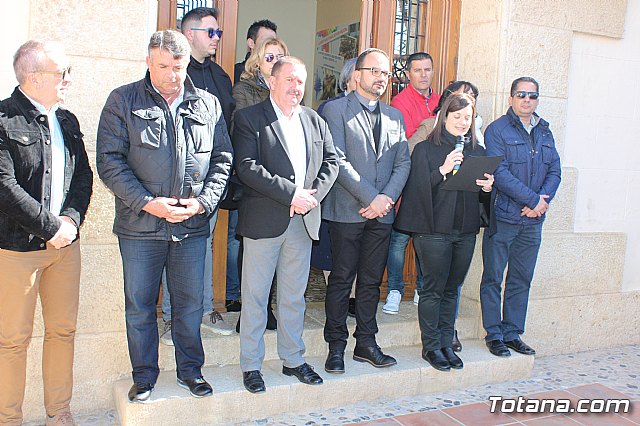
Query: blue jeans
pixel 395 263
pixel 517 246
pixel 142 264
pixel 233 247
pixel 446 258
pixel 207 300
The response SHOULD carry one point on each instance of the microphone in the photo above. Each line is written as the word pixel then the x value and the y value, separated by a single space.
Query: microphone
pixel 460 147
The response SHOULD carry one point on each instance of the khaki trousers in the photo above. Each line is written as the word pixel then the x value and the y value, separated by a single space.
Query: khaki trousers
pixel 55 275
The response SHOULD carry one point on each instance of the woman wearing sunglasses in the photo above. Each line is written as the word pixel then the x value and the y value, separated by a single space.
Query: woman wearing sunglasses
pixel 443 224
pixel 253 86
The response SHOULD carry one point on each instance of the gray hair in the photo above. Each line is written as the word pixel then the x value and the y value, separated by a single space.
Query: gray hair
pixel 291 60
pixel 346 73
pixel 30 57
pixel 171 41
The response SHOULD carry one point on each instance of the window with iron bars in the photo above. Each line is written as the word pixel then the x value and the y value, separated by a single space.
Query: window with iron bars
pixel 185 6
pixel 409 37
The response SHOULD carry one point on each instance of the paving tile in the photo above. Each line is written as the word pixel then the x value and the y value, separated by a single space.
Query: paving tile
pixel 634 412
pixel 377 422
pixel 596 391
pixel 557 420
pixel 478 414
pixel 598 419
pixel 558 394
pixel 431 418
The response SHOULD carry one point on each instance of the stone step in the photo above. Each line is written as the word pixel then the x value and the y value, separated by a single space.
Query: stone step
pixel 394 330
pixel 231 403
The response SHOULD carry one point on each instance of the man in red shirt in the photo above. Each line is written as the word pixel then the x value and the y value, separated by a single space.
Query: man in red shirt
pixel 416 102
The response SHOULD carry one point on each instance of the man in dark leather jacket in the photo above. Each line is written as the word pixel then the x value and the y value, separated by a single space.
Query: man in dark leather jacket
pixel 45 187
pixel 164 151
pixel 526 182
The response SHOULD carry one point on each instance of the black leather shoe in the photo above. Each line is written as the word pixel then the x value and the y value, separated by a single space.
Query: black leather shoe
pixel 233 305
pixel 335 362
pixel 140 392
pixel 437 359
pixel 374 356
pixel 519 346
pixel 352 307
pixel 454 360
pixel 498 348
pixel 272 322
pixel 253 382
pixel 456 345
pixel 304 373
pixel 198 387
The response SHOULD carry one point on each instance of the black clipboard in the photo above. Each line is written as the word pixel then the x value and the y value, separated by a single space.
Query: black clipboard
pixel 472 168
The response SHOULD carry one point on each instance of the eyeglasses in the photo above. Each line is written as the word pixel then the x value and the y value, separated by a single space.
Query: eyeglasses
pixel 377 72
pixel 66 72
pixel 270 57
pixel 522 94
pixel 211 32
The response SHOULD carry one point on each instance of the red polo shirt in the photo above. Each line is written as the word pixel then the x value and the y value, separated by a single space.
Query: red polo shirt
pixel 415 107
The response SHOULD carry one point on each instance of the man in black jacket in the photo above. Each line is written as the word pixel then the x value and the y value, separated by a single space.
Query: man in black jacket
pixel 200 26
pixel 258 31
pixel 45 187
pixel 164 151
pixel 287 162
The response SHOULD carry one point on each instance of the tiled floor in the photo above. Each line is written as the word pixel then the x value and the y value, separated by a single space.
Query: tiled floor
pixel 479 414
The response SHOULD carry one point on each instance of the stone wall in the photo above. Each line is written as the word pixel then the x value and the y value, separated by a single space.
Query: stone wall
pixel 577 299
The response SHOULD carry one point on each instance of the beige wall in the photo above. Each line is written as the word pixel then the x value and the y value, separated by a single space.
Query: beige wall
pixel 602 138
pixel 296 20
pixel 583 56
pixel 105 52
pixel 337 12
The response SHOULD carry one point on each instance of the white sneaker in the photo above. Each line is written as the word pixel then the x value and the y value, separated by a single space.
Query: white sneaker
pixel 214 322
pixel 165 337
pixel 64 419
pixel 393 303
pixel 416 298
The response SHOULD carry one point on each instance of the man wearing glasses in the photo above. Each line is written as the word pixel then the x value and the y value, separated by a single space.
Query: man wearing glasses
pixel 45 187
pixel 164 151
pixel 370 139
pixel 525 183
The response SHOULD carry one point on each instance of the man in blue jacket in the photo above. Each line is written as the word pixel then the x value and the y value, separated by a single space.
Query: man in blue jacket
pixel 525 183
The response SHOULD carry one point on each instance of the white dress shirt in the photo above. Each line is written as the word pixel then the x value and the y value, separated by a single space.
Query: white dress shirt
pixel 294 143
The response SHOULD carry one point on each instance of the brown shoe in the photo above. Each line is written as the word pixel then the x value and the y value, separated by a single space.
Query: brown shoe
pixel 62 419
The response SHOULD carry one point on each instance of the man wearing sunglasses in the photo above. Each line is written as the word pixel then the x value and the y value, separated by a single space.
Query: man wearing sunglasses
pixel 525 183
pixel 45 186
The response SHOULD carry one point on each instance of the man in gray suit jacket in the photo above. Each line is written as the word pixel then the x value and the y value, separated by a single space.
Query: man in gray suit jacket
pixel 369 138
pixel 286 160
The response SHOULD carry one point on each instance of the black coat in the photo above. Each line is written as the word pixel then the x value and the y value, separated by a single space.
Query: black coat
pixel 210 77
pixel 25 179
pixel 264 168
pixel 425 208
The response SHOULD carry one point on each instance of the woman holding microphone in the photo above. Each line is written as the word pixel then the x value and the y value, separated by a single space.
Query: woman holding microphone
pixel 443 224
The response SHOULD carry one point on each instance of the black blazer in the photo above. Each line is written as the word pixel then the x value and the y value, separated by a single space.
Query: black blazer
pixel 263 166
pixel 425 208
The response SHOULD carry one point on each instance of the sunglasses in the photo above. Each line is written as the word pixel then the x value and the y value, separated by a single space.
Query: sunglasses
pixel 521 94
pixel 270 57
pixel 377 72
pixel 66 72
pixel 211 32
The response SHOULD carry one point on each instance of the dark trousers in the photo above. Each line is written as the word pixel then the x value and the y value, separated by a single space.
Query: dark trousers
pixel 517 246
pixel 445 259
pixel 142 263
pixel 358 248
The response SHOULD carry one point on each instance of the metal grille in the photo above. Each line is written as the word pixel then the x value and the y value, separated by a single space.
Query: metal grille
pixel 185 6
pixel 409 35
